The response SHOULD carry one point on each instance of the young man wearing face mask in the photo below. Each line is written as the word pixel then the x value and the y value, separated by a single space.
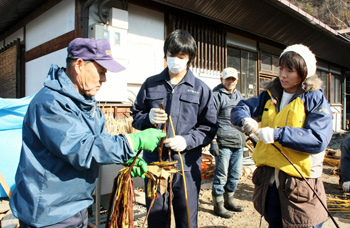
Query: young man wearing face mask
pixel 189 102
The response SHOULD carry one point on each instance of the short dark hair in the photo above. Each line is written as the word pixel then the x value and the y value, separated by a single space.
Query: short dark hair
pixel 292 60
pixel 181 40
pixel 69 62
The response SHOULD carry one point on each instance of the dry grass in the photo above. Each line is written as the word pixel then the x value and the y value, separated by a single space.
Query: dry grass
pixel 117 126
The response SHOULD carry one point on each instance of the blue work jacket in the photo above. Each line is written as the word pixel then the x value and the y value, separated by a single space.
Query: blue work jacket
pixel 64 141
pixel 191 107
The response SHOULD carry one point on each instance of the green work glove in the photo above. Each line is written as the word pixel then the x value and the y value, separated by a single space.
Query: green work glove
pixel 139 167
pixel 146 140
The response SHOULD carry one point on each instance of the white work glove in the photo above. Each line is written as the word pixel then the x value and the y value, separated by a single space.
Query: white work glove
pixel 266 134
pixel 178 143
pixel 249 125
pixel 157 116
pixel 346 186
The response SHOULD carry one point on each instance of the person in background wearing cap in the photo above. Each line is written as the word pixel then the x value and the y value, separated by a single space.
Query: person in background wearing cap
pixel 297 119
pixel 227 147
pixel 189 102
pixel 65 141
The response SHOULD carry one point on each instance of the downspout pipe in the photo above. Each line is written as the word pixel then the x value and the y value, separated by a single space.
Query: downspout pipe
pixel 344 102
pixel 86 8
pixel 100 13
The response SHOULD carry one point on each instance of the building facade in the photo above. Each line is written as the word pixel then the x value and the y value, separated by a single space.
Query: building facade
pixel 247 35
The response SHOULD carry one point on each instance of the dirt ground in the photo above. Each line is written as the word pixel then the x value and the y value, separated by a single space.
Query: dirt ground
pixel 249 217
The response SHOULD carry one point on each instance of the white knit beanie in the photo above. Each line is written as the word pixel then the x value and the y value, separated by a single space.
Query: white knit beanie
pixel 306 54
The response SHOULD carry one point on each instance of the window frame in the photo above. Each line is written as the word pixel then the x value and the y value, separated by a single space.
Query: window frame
pixel 335 95
pixel 273 59
pixel 243 84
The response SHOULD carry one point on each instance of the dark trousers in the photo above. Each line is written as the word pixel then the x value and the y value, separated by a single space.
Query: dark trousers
pixel 273 208
pixel 159 214
pixel 345 159
pixel 80 220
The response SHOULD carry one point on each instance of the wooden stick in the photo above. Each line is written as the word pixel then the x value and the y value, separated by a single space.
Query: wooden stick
pixel 183 175
pixel 160 155
pixel 160 148
pixel 5 186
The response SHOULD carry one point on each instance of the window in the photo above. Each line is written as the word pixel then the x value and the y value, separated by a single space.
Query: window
pixel 333 87
pixel 234 59
pixel 245 63
pixel 264 79
pixel 266 62
pixel 210 39
pixel 324 77
pixel 335 91
pixel 269 63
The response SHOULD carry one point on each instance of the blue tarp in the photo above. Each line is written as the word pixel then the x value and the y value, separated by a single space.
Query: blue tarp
pixel 12 112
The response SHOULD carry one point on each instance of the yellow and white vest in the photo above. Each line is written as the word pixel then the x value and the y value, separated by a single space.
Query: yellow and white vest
pixel 293 115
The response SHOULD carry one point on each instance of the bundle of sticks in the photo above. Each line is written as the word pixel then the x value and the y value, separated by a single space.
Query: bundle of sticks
pixel 339 205
pixel 120 211
pixel 160 174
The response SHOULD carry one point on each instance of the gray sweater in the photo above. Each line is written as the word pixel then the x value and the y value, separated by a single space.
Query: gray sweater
pixel 224 101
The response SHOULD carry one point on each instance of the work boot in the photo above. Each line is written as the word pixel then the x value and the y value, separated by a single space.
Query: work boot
pixel 219 208
pixel 230 204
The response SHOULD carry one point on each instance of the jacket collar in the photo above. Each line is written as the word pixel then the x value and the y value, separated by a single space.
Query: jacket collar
pixel 220 88
pixel 59 81
pixel 310 84
pixel 189 77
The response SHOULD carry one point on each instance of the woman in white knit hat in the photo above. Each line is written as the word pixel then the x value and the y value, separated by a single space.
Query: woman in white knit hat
pixel 296 119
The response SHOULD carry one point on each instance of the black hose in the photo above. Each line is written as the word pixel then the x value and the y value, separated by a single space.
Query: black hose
pixel 318 197
pixel 254 140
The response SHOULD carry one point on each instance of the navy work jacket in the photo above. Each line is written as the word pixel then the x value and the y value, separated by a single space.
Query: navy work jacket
pixel 191 107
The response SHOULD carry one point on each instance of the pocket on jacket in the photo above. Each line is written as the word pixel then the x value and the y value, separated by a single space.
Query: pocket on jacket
pixel 189 106
pixel 190 98
pixel 296 189
pixel 154 99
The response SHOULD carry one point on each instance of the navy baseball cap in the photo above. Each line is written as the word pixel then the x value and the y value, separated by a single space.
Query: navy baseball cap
pixel 96 50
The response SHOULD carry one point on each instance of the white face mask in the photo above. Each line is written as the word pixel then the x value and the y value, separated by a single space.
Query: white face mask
pixel 176 65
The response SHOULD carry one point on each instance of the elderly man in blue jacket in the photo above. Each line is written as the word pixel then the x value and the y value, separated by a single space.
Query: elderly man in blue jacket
pixel 65 141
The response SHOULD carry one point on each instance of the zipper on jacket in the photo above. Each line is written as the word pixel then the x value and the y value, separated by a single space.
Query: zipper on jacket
pixel 171 102
pixel 172 92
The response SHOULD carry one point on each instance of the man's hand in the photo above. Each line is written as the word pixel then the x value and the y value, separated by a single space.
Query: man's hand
pixel 157 116
pixel 146 140
pixel 249 125
pixel 177 143
pixel 214 149
pixel 266 134
pixel 139 168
